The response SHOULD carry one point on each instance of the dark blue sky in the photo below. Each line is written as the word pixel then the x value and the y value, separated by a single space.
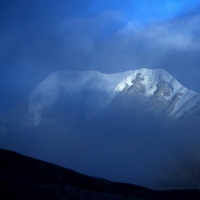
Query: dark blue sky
pixel 41 36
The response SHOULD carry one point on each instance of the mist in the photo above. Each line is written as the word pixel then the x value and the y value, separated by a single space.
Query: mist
pixel 117 153
pixel 40 37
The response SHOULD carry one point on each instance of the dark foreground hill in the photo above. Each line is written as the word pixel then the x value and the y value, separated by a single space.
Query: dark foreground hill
pixel 23 177
pixel 140 127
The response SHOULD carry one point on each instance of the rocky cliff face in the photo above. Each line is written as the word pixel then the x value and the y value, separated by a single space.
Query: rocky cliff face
pixel 143 118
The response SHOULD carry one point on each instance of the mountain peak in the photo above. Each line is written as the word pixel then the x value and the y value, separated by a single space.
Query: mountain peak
pixel 148 77
pixel 142 124
pixel 96 90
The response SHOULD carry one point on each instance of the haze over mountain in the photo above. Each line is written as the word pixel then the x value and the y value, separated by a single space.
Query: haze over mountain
pixel 139 126
pixel 38 37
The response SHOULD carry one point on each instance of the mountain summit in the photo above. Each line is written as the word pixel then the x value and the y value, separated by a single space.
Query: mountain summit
pixel 93 92
pixel 140 126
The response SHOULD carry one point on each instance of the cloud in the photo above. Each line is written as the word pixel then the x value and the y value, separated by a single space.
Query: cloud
pixel 42 40
pixel 172 45
pixel 46 38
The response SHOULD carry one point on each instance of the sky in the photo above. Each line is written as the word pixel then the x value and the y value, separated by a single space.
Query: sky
pixel 41 36
pixel 38 37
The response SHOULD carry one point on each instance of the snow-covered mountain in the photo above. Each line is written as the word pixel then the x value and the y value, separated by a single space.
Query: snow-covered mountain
pixel 140 126
pixel 94 91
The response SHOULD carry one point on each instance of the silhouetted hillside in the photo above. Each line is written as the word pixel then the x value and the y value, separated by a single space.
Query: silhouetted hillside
pixel 27 178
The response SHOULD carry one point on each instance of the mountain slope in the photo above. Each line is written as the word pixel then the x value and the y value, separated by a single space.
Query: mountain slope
pixel 90 93
pixel 140 126
pixel 27 178
pixel 93 91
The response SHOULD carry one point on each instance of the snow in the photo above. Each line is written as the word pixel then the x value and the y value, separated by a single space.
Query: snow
pixel 184 106
pixel 150 79
pixel 100 86
pixel 124 83
pixel 185 102
pixel 101 89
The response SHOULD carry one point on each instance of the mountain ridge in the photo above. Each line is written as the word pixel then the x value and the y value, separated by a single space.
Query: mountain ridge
pixel 24 177
pixel 98 90
pixel 122 132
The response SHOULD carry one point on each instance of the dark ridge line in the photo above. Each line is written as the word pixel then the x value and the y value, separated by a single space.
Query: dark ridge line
pixel 19 172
